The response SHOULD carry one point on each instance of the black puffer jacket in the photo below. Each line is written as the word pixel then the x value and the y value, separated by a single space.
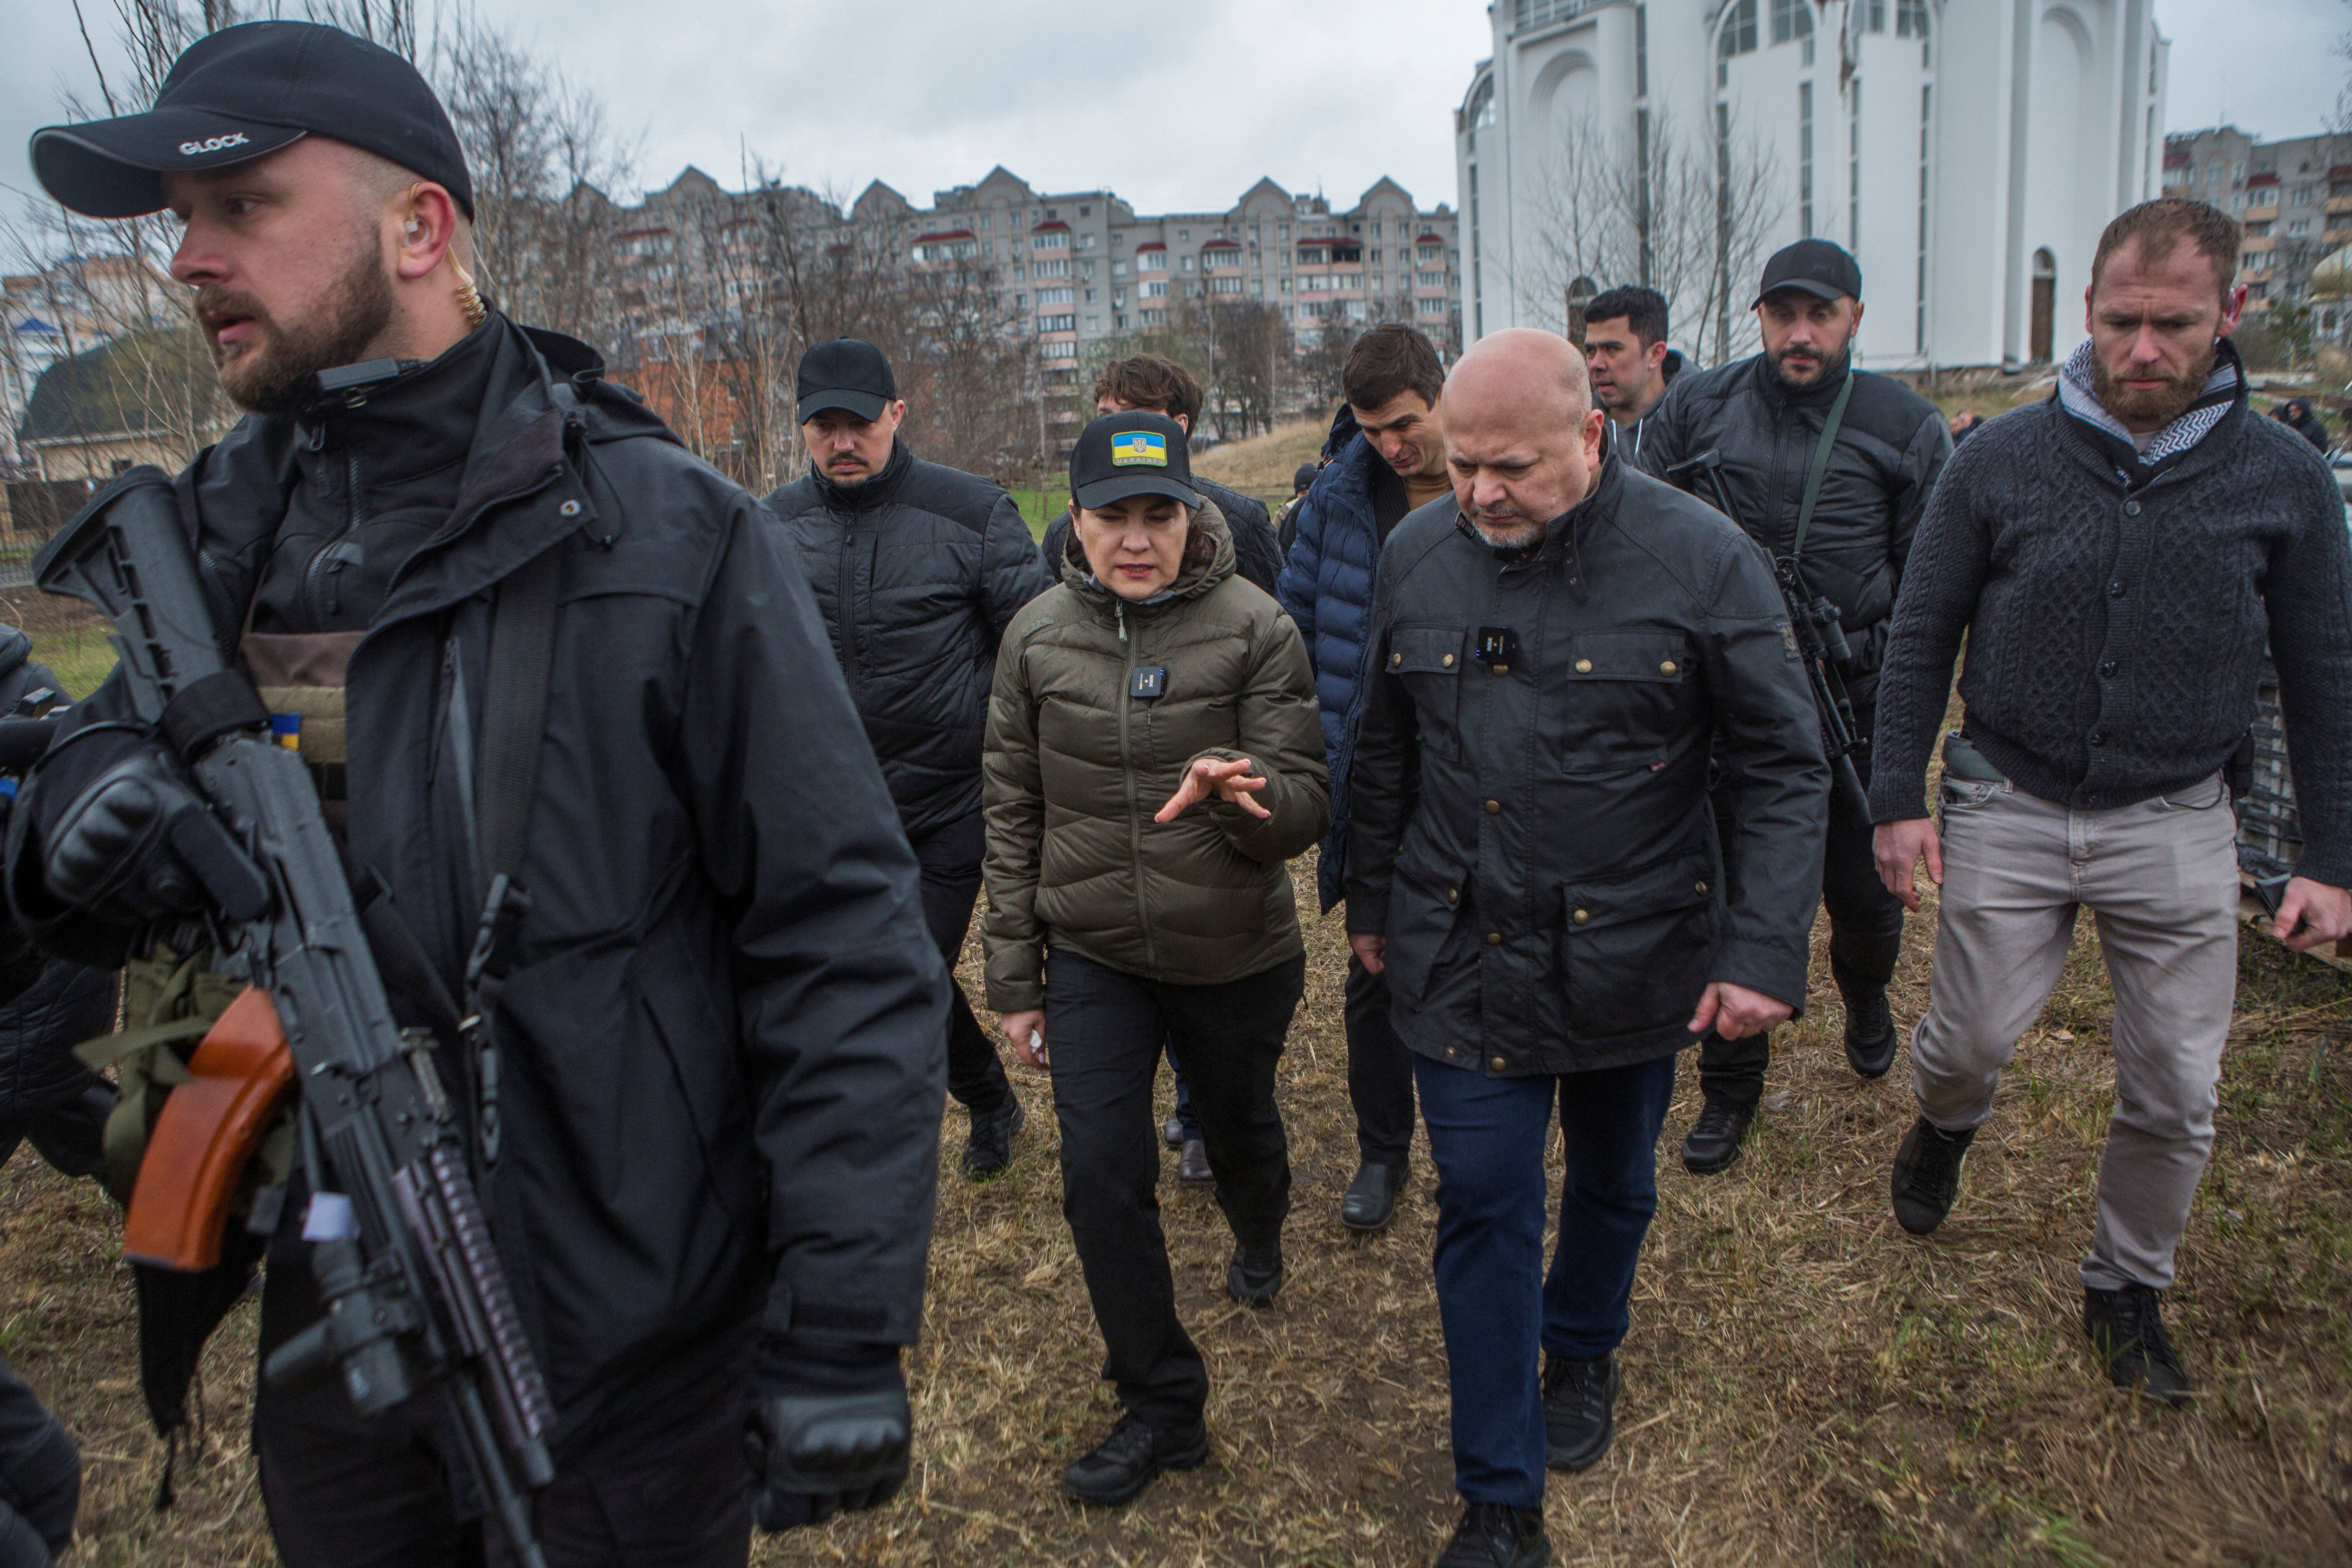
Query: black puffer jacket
pixel 1531 833
pixel 1257 554
pixel 44 1093
pixel 1890 446
pixel 917 572
pixel 722 1037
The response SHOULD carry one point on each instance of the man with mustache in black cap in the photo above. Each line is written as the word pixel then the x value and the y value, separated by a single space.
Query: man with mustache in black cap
pixel 917 569
pixel 702 1104
pixel 1833 466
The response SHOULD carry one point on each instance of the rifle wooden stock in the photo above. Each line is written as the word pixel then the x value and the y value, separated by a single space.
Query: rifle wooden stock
pixel 210 1126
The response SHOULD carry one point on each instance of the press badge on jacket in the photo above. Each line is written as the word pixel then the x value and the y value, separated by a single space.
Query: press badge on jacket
pixel 1148 680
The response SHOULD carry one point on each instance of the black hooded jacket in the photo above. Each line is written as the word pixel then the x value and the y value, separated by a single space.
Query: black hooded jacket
pixel 917 572
pixel 722 1034
pixel 44 1092
pixel 1890 446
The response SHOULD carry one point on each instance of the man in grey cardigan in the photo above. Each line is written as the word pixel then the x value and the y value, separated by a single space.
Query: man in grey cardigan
pixel 2115 556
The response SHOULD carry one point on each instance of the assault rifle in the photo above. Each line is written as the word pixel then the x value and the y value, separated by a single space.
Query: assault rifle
pixel 416 1301
pixel 1813 621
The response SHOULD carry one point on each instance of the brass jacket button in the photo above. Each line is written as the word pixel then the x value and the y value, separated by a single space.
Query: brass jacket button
pixel 1702 887
pixel 1497 1063
pixel 1453 895
pixel 1395 660
pixel 1494 938
pixel 1668 668
pixel 1493 808
pixel 1447 661
pixel 1584 667
pixel 1582 916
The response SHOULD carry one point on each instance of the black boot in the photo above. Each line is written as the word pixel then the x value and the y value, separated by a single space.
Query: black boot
pixel 1255 1274
pixel 2127 1328
pixel 989 1149
pixel 1715 1138
pixel 1124 1463
pixel 1371 1197
pixel 1928 1175
pixel 1869 1027
pixel 1579 1401
pixel 1496 1536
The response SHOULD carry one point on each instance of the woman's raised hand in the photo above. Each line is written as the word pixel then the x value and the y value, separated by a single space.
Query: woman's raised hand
pixel 1207 777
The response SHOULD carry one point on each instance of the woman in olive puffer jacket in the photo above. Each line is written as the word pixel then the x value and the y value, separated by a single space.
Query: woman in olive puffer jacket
pixel 1153 758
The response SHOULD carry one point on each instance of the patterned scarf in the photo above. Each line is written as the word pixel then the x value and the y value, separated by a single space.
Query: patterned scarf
pixel 2075 395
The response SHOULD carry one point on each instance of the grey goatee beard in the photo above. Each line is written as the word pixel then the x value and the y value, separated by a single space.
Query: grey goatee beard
pixel 279 375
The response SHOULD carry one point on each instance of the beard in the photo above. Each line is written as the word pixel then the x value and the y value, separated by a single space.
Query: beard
pixel 276 370
pixel 2154 408
pixel 1521 534
pixel 1830 371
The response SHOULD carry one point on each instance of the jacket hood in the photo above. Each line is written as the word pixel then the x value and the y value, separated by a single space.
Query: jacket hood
pixel 1196 578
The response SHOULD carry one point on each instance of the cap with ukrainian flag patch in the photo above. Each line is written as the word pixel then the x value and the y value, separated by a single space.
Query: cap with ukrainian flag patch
pixel 1136 453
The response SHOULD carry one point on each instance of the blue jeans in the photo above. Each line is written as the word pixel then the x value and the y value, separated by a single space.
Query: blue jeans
pixel 1487 1137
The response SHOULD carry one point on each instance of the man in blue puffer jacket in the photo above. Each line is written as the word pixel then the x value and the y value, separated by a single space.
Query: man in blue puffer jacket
pixel 1391 460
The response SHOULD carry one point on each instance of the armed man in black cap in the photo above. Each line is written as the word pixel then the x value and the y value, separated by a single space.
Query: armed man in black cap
pixel 1830 466
pixel 918 569
pixel 710 1171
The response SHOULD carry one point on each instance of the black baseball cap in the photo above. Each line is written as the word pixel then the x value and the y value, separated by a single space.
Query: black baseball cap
pixel 849 373
pixel 1137 453
pixel 244 91
pixel 1304 477
pixel 1819 267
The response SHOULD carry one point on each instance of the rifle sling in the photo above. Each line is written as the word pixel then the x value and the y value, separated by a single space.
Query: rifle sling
pixel 1821 466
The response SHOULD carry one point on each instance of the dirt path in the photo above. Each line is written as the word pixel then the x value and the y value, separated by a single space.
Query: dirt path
pixel 1804 1382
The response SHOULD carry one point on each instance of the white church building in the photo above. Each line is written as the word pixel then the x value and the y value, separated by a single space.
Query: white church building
pixel 1966 151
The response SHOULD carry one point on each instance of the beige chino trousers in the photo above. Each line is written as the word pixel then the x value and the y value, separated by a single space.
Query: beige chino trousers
pixel 2161 879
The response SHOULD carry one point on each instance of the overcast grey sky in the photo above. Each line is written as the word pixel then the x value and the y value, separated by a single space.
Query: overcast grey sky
pixel 1181 107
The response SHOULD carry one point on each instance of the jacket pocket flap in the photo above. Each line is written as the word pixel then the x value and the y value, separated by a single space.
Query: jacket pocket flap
pixel 1657 890
pixel 1630 653
pixel 1425 650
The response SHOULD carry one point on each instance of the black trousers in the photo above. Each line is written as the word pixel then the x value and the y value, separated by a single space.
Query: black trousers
pixel 666 1485
pixel 70 1136
pixel 40 1478
pixel 1865 931
pixel 1380 1071
pixel 1104 1030
pixel 951 859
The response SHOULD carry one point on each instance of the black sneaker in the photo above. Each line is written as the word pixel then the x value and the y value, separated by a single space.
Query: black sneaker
pixel 1715 1138
pixel 1255 1274
pixel 1579 1401
pixel 1928 1175
pixel 1496 1536
pixel 1371 1199
pixel 1869 1035
pixel 990 1147
pixel 2127 1328
pixel 1123 1464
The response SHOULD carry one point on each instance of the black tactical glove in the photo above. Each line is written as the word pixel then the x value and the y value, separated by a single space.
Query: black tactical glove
pixel 831 1432
pixel 123 837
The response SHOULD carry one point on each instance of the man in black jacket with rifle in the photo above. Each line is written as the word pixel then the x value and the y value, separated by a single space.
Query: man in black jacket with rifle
pixel 698 1082
pixel 1828 468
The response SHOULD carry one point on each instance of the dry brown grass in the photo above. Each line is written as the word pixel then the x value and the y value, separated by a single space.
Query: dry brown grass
pixel 1805 1384
pixel 1263 466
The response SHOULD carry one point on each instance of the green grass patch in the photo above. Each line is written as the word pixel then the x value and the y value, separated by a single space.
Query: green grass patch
pixel 81 656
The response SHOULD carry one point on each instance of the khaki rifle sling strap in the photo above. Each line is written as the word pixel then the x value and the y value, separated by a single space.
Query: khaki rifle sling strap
pixel 514 725
pixel 1821 465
